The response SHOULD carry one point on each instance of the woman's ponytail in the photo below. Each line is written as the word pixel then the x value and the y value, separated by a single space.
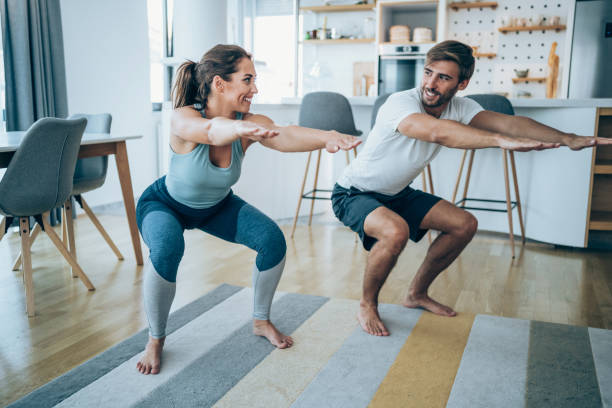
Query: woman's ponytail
pixel 185 89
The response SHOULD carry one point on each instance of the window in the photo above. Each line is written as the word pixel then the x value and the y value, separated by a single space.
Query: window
pixel 2 88
pixel 269 34
pixel 159 12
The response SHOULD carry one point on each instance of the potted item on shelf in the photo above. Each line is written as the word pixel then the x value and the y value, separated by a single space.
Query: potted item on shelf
pixel 521 73
pixel 523 94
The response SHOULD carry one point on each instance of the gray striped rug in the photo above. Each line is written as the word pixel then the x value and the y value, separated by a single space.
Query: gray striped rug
pixel 212 359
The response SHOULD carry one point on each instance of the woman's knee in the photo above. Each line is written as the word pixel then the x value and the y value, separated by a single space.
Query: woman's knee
pixel 272 248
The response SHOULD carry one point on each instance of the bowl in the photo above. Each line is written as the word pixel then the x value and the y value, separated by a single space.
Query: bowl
pixel 521 73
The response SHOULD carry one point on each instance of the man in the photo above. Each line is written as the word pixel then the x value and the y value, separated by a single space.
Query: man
pixel 373 196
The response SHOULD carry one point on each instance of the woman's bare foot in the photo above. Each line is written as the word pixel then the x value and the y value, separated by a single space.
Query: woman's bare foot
pixel 370 320
pixel 428 303
pixel 266 329
pixel 150 362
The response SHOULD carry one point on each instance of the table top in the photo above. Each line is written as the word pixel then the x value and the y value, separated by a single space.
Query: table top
pixel 9 141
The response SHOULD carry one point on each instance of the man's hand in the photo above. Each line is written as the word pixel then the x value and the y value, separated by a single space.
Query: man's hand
pixel 253 131
pixel 522 144
pixel 342 141
pixel 576 142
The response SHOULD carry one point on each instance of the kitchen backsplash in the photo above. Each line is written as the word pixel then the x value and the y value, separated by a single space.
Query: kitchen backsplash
pixel 518 50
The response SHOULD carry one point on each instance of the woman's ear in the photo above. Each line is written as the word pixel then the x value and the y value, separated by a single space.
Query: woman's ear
pixel 218 83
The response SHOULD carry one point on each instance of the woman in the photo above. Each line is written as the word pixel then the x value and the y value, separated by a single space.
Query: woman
pixel 211 128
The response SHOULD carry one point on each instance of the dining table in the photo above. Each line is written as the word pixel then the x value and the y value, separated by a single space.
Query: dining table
pixel 93 144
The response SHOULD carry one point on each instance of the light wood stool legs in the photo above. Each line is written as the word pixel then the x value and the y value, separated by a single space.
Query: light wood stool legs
pixel 508 203
pixel 33 235
pixel 297 211
pixel 429 190
pixel 314 188
pixel 508 200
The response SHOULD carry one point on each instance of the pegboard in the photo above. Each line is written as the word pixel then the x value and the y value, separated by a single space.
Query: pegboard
pixel 514 49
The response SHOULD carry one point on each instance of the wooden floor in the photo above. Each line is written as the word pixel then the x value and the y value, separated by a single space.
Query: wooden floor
pixel 72 325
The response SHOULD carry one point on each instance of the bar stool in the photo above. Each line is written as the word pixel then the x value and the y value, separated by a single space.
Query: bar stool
pixel 324 111
pixel 500 104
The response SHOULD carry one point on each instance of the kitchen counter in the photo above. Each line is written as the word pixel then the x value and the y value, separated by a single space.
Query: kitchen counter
pixel 516 102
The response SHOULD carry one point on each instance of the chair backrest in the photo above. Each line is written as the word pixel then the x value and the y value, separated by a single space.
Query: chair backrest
pixel 327 111
pixel 493 102
pixel 90 172
pixel 377 104
pixel 39 176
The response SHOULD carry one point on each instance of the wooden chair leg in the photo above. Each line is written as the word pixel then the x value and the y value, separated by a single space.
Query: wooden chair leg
pixel 518 197
pixel 64 227
pixel 2 227
pixel 62 249
pixel 348 159
pixel 429 176
pixel 100 228
pixel 508 199
pixel 469 174
pixel 314 189
pixel 424 181
pixel 69 227
pixel 33 235
pixel 297 211
pixel 459 176
pixel 24 231
pixel 355 151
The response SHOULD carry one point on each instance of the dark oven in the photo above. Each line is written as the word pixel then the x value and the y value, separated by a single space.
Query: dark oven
pixel 400 67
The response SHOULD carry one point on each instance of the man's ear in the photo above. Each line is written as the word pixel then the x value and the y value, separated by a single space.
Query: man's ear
pixel 463 84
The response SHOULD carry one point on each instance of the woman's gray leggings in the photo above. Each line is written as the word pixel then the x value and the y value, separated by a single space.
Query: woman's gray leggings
pixel 162 221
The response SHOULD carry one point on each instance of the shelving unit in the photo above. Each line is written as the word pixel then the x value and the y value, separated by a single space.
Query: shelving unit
pixel 407 43
pixel 339 41
pixel 532 28
pixel 484 55
pixel 474 4
pixel 331 9
pixel 600 196
pixel 528 79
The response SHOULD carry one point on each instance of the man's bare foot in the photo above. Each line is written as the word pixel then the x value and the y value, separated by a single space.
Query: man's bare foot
pixel 370 320
pixel 150 362
pixel 428 303
pixel 266 329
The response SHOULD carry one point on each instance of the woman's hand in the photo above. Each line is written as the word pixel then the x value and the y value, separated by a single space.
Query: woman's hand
pixel 339 141
pixel 253 131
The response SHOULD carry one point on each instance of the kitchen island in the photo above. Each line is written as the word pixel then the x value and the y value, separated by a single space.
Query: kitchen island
pixel 557 187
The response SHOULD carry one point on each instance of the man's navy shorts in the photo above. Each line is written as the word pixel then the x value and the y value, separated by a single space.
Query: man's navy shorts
pixel 352 206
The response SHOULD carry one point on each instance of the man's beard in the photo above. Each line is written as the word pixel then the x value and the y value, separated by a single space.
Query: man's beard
pixel 442 99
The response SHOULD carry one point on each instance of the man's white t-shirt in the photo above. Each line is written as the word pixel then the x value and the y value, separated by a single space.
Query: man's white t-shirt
pixel 389 160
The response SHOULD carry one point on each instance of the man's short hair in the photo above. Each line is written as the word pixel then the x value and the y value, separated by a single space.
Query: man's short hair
pixel 453 51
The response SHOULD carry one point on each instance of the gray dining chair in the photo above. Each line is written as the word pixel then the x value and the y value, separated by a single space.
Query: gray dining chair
pixel 89 174
pixel 380 100
pixel 500 104
pixel 324 111
pixel 38 179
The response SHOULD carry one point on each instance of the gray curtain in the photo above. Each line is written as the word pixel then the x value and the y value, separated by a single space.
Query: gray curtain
pixel 34 68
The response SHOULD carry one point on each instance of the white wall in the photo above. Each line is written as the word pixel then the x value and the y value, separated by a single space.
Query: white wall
pixel 106 50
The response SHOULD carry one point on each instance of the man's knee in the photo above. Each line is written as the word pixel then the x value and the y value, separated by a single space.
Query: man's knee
pixel 395 237
pixel 468 226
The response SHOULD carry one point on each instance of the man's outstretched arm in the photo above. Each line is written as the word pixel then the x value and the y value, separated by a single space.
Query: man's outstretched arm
pixel 520 126
pixel 453 134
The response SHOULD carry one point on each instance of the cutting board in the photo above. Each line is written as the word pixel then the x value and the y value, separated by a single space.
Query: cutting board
pixel 553 72
pixel 363 77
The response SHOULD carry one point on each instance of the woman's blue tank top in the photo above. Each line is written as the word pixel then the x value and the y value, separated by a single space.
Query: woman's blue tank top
pixel 194 181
